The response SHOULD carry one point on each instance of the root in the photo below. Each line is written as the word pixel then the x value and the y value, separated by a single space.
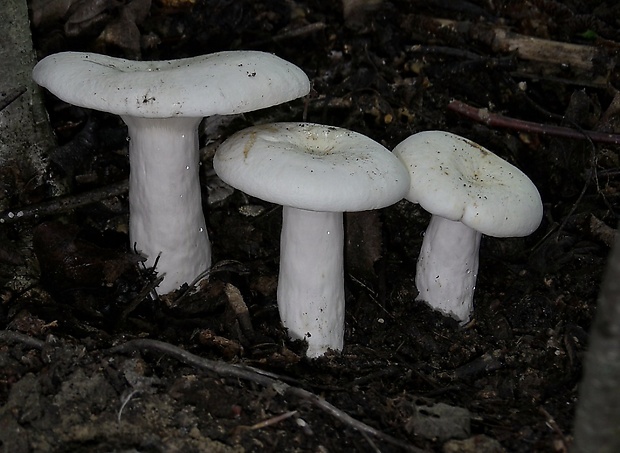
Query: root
pixel 260 377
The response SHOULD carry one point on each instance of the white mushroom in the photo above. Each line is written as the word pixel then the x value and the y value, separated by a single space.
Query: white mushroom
pixel 316 172
pixel 469 191
pixel 162 103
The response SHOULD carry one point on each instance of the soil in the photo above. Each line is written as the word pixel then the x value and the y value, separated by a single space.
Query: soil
pixel 506 381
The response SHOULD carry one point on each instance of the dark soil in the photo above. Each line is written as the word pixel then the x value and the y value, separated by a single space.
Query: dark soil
pixel 507 381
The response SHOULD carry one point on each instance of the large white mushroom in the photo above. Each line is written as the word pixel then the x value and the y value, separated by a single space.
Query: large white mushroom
pixel 316 172
pixel 469 191
pixel 162 103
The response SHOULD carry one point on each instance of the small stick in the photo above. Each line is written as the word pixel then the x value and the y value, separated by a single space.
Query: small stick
pixel 272 421
pixel 220 266
pixel 551 423
pixel 144 293
pixel 602 231
pixel 63 204
pixel 125 401
pixel 531 48
pixel 293 33
pixel 236 302
pixel 8 336
pixel 496 120
pixel 260 377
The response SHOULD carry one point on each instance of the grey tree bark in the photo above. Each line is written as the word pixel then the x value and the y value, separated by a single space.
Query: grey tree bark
pixel 597 420
pixel 25 134
pixel 25 137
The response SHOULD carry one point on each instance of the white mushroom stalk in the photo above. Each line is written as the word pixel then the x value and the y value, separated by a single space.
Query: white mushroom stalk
pixel 469 191
pixel 311 296
pixel 167 220
pixel 448 267
pixel 316 172
pixel 162 103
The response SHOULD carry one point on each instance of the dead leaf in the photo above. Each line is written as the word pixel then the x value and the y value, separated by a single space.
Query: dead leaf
pixel 47 11
pixel 90 16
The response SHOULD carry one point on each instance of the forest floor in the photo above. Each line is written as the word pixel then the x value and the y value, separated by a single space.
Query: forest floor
pixel 72 376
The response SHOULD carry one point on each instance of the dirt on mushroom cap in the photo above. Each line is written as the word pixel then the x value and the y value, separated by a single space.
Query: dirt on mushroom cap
pixel 458 179
pixel 219 83
pixel 312 166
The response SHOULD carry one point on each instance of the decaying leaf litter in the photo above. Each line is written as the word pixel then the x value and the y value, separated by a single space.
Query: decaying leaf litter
pixel 508 380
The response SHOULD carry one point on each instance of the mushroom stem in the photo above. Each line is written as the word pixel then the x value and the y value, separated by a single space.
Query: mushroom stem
pixel 166 217
pixel 311 283
pixel 448 266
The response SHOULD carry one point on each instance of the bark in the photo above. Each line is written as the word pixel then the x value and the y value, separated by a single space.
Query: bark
pixel 25 134
pixel 597 423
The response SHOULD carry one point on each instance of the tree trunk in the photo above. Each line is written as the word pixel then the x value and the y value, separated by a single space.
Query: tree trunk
pixel 597 422
pixel 25 134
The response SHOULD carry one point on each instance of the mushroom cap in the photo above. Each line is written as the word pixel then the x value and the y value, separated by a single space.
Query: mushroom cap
pixel 457 179
pixel 220 83
pixel 311 166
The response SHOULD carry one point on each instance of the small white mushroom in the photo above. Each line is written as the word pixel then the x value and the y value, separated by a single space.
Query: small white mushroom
pixel 162 103
pixel 469 191
pixel 316 172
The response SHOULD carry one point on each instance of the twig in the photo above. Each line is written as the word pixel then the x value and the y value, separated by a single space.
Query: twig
pixel 496 120
pixel 372 294
pixel 220 266
pixel 446 51
pixel 125 401
pixel 592 64
pixel 551 423
pixel 236 302
pixel 272 421
pixel 260 377
pixel 602 231
pixel 63 204
pixel 9 336
pixel 293 33
pixel 149 289
pixel 371 443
